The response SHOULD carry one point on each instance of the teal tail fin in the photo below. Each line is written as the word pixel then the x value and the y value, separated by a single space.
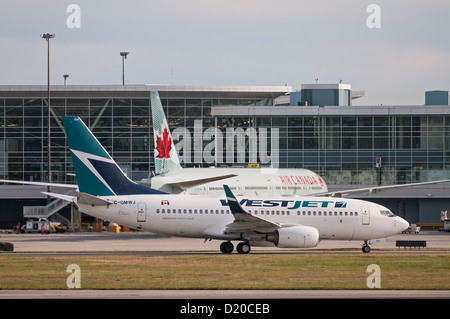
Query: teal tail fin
pixel 97 173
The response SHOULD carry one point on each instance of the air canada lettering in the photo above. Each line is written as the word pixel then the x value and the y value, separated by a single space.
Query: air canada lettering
pixel 289 204
pixel 299 179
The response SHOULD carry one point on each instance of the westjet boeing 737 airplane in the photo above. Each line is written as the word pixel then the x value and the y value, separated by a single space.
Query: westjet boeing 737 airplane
pixel 104 191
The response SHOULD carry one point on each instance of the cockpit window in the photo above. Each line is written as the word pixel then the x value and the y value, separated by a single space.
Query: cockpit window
pixel 387 213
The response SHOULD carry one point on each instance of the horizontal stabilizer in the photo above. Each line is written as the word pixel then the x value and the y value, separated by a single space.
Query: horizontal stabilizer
pixel 67 198
pixel 83 198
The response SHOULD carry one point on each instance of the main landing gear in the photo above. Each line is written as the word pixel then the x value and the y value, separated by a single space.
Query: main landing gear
pixel 365 248
pixel 242 248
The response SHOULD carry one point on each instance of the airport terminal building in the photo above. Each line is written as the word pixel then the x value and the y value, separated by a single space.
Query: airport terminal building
pixel 316 127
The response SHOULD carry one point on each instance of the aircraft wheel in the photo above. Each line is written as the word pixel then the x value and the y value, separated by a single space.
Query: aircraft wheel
pixel 366 248
pixel 226 247
pixel 243 248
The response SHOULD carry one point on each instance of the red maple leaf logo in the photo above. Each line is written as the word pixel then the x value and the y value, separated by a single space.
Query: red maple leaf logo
pixel 163 145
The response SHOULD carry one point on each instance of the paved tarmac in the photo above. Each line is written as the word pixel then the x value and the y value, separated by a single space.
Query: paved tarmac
pixel 145 241
pixel 149 243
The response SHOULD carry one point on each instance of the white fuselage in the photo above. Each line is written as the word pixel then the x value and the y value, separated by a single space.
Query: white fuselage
pixel 249 181
pixel 207 216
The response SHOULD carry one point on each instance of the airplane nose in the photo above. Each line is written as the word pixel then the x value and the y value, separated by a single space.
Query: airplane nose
pixel 402 224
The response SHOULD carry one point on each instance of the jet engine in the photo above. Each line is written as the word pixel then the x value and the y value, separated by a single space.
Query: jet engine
pixel 295 237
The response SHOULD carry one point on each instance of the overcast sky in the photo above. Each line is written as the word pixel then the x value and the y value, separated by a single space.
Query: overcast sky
pixel 233 42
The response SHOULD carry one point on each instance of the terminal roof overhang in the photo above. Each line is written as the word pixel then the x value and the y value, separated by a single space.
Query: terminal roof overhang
pixel 142 91
pixel 285 111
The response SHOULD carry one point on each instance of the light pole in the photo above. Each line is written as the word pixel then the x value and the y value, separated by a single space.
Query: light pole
pixel 65 76
pixel 47 37
pixel 124 56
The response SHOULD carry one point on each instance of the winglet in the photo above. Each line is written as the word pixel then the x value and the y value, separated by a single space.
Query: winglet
pixel 235 207
pixel 240 215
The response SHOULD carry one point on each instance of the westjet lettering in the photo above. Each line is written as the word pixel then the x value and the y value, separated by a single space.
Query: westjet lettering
pixel 286 203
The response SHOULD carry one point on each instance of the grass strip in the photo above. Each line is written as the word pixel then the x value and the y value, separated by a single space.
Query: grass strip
pixel 252 271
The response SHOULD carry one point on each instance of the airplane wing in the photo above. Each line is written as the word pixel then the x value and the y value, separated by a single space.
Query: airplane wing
pixel 243 221
pixel 183 185
pixel 341 193
pixel 74 186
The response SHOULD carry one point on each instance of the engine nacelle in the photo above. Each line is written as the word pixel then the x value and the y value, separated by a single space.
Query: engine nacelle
pixel 295 237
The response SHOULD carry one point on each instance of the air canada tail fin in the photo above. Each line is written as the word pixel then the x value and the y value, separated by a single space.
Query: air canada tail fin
pixel 166 157
pixel 97 173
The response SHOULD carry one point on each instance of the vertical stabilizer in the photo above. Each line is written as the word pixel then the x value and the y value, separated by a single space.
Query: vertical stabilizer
pixel 166 157
pixel 97 173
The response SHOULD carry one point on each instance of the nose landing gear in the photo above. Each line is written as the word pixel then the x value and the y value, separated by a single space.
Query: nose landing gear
pixel 365 248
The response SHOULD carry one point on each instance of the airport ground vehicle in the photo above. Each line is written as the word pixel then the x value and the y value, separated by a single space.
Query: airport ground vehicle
pixel 413 228
pixel 42 225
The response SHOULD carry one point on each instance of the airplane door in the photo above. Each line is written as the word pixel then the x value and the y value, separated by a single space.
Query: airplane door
pixel 365 215
pixel 141 212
